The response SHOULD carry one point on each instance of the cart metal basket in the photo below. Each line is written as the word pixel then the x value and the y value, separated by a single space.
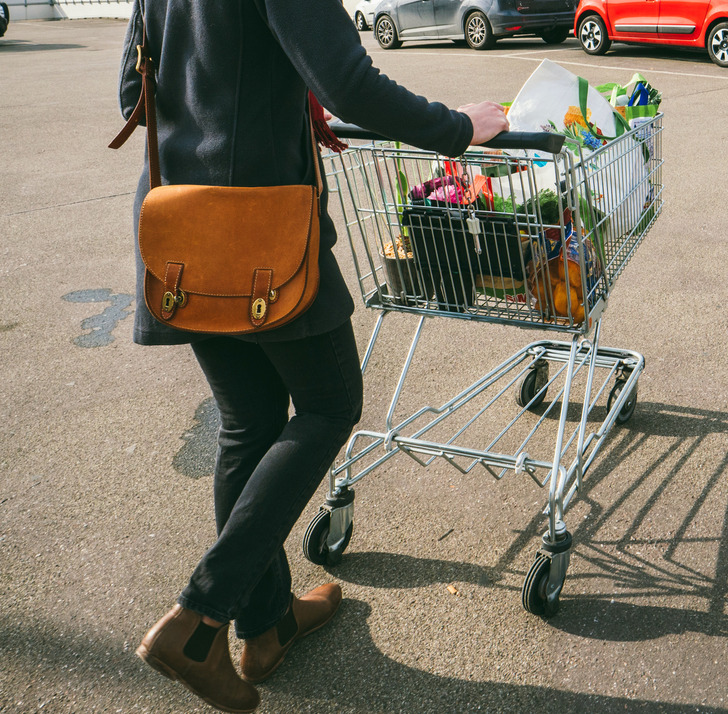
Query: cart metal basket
pixel 521 233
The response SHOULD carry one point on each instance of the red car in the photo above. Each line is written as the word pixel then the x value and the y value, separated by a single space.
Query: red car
pixel 701 24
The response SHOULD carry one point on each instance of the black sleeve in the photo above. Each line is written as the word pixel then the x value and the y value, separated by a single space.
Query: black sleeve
pixel 324 46
pixel 130 81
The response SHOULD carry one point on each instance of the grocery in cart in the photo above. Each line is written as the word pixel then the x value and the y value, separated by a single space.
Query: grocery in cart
pixel 525 233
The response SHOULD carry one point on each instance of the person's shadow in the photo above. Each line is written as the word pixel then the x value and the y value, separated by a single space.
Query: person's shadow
pixel 343 667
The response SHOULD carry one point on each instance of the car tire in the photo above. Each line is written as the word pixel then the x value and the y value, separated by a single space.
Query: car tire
pixel 5 19
pixel 718 44
pixel 478 32
pixel 554 36
pixel 360 22
pixel 592 35
pixel 386 33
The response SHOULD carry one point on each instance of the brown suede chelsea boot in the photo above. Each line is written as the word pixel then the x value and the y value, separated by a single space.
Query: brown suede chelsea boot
pixel 263 654
pixel 187 650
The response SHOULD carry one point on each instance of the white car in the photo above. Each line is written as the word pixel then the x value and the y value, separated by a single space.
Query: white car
pixel 4 18
pixel 364 14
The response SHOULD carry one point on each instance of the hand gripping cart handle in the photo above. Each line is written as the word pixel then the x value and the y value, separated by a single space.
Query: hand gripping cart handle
pixel 538 141
pixel 525 232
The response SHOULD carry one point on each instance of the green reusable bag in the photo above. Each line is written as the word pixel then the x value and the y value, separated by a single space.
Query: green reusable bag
pixel 636 100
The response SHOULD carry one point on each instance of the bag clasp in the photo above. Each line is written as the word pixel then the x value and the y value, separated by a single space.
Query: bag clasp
pixel 170 300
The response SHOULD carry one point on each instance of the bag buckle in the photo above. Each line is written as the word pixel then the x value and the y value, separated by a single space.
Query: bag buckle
pixel 259 309
pixel 142 59
pixel 263 293
pixel 170 300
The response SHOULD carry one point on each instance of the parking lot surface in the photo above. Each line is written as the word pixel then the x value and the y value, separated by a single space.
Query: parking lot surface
pixel 106 448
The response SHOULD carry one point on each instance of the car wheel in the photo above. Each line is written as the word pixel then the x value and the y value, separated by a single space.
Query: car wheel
pixel 718 44
pixel 360 22
pixel 4 18
pixel 386 33
pixel 593 35
pixel 555 36
pixel 478 32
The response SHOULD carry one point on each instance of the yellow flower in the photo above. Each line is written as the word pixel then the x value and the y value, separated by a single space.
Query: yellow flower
pixel 574 116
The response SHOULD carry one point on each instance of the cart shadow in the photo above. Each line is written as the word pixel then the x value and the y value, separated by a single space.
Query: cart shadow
pixel 640 566
pixel 386 571
pixel 636 561
pixel 616 621
pixel 682 430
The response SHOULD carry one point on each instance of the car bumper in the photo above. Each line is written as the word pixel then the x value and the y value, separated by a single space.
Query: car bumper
pixel 516 23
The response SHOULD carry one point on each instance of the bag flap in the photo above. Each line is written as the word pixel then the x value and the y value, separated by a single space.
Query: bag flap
pixel 222 234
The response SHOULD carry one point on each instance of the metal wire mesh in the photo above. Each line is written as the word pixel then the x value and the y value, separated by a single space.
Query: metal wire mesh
pixel 531 240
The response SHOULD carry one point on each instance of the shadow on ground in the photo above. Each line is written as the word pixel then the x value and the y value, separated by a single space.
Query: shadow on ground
pixel 665 573
pixel 119 678
pixel 8 46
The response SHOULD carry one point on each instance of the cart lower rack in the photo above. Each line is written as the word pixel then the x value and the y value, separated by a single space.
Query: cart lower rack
pixel 534 237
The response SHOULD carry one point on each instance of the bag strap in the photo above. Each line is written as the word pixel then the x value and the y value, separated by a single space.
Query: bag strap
pixel 146 103
pixel 620 123
pixel 144 107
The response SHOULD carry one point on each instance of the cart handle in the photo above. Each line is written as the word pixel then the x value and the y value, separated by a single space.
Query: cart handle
pixel 540 141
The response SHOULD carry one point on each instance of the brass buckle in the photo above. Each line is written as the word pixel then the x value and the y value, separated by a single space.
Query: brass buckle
pixel 170 300
pixel 259 309
pixel 142 59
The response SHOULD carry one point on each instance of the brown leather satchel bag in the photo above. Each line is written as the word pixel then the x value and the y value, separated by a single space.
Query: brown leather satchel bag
pixel 222 259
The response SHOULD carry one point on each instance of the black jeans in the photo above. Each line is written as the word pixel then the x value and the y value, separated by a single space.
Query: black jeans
pixel 269 466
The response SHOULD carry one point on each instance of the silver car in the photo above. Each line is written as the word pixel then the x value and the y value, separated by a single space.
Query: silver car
pixel 364 14
pixel 479 22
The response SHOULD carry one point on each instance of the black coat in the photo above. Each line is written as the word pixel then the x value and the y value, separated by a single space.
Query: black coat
pixel 231 109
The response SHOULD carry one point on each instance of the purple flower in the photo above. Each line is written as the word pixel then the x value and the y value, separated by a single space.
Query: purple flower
pixel 426 189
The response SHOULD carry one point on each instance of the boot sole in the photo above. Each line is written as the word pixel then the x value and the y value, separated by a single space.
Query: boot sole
pixel 271 671
pixel 165 670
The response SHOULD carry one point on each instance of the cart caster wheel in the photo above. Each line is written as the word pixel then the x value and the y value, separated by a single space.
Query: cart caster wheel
pixel 314 541
pixel 533 383
pixel 627 410
pixel 533 594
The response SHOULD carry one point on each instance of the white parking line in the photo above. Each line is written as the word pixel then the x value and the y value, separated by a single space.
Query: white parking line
pixel 538 56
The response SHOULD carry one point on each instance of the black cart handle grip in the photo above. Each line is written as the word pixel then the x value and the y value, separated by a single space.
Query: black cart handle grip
pixel 540 141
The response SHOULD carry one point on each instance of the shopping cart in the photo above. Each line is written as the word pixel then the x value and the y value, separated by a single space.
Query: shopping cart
pixel 520 233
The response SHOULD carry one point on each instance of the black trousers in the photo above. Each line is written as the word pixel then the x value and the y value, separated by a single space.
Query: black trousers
pixel 269 465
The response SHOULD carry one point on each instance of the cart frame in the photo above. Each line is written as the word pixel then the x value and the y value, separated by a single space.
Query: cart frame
pixel 373 206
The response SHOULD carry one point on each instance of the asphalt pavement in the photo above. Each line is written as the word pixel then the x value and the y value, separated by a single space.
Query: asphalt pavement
pixel 106 448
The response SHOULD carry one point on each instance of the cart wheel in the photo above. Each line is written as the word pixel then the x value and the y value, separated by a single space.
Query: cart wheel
pixel 628 409
pixel 533 383
pixel 533 594
pixel 314 540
